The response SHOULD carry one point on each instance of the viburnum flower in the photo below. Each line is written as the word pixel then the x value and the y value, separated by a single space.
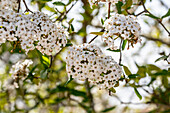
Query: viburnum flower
pixel 121 27
pixel 32 31
pixel 20 70
pixel 92 2
pixel 87 61
pixel 8 4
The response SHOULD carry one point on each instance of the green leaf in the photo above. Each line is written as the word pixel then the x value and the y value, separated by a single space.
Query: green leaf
pixel 59 3
pixel 118 7
pixel 127 71
pixel 112 90
pixel 132 76
pixel 50 9
pixel 127 4
pixel 58 100
pixel 102 21
pixel 161 58
pixel 68 81
pixel 109 109
pixel 142 71
pixel 72 28
pixel 163 72
pixel 71 21
pixel 151 67
pixel 69 44
pixel 124 44
pixel 97 33
pixel 43 74
pixel 30 75
pixel 165 81
pixel 152 16
pixel 167 14
pixel 137 93
pixel 45 61
pixel 118 50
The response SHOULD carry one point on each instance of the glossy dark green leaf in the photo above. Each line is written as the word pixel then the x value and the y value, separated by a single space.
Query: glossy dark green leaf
pixel 127 71
pixel 69 44
pixel 128 4
pixel 72 27
pixel 132 76
pixel 112 90
pixel 162 73
pixel 124 44
pixel 137 93
pixel 102 21
pixel 97 33
pixel 118 50
pixel 59 3
pixel 58 100
pixel 167 14
pixel 108 109
pixel 119 6
pixel 68 81
pixel 161 58
pixel 152 16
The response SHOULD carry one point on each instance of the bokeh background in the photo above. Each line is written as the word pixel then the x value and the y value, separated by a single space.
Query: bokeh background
pixel 146 87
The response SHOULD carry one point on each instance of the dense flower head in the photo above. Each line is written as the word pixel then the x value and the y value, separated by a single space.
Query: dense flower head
pixel 32 31
pixel 121 26
pixel 92 2
pixel 20 70
pixel 87 61
pixel 8 4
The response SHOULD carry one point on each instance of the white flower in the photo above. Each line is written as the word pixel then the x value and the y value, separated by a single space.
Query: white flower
pixel 33 31
pixel 88 61
pixel 20 69
pixel 123 27
pixel 92 2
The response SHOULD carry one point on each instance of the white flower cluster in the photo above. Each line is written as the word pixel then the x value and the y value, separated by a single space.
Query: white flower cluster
pixel 8 4
pixel 92 2
pixel 121 26
pixel 88 62
pixel 20 70
pixel 32 31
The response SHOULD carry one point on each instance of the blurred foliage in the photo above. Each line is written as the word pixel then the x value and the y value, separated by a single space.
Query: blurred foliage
pixel 47 87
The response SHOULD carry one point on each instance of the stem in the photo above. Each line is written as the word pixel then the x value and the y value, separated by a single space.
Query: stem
pixel 95 37
pixel 109 9
pixel 19 4
pixel 27 9
pixel 64 14
pixel 159 21
pixel 120 47
pixel 90 96
pixel 156 39
pixel 140 13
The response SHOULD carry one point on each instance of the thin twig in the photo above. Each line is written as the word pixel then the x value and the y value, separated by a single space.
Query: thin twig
pixel 140 13
pixel 61 14
pixel 19 4
pixel 27 9
pixel 156 39
pixel 95 37
pixel 120 47
pixel 109 9
pixel 90 96
pixel 159 20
